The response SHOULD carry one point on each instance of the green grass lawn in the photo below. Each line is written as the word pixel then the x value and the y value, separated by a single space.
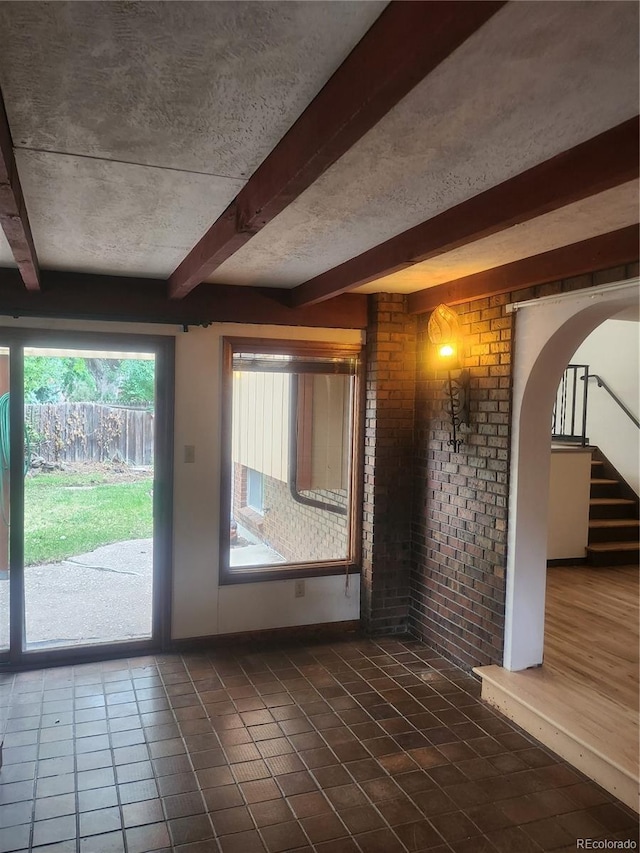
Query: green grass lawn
pixel 70 514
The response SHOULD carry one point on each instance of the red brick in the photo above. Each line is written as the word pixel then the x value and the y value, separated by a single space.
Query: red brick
pixel 435 522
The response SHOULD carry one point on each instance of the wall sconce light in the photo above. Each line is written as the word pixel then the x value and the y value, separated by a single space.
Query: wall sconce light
pixel 444 332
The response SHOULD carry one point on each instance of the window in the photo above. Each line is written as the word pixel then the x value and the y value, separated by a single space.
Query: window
pixel 289 425
pixel 255 490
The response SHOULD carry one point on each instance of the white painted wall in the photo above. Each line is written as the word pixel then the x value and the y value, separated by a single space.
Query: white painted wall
pixel 568 509
pixel 613 352
pixel 200 607
pixel 327 599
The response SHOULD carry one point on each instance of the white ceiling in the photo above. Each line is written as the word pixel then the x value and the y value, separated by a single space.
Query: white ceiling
pixel 135 125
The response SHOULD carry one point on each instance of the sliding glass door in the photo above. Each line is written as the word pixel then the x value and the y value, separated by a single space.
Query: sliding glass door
pixel 5 475
pixel 85 462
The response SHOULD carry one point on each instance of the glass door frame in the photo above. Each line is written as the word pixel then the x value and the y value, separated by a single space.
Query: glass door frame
pixel 163 347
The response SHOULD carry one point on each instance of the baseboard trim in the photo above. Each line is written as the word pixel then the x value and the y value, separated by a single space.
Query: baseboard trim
pixel 304 633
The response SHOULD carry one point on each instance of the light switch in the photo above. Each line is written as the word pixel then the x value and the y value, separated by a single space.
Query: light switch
pixel 189 453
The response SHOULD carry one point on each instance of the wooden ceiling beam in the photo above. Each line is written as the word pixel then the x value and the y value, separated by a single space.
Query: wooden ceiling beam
pixel 606 161
pixel 407 41
pixel 104 297
pixel 13 212
pixel 598 253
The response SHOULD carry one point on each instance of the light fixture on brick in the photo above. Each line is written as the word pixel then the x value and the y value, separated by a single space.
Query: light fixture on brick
pixel 444 333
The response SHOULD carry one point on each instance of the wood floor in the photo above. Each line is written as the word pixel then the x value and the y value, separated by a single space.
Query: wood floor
pixel 591 629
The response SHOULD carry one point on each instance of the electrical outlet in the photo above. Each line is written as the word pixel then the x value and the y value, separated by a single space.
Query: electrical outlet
pixel 299 589
pixel 189 453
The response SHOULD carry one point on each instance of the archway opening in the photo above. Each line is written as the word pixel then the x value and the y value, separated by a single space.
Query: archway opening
pixel 548 332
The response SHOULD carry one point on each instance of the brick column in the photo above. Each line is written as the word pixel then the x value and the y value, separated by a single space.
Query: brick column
pixel 460 512
pixel 390 396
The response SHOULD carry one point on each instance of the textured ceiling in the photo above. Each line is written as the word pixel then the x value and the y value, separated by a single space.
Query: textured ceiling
pixel 135 124
pixel 607 211
pixel 537 79
pixel 204 86
pixel 101 216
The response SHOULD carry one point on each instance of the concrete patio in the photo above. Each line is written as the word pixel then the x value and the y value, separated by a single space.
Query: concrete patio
pixel 103 596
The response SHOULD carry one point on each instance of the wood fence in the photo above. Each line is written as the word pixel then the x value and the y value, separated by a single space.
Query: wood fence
pixel 90 432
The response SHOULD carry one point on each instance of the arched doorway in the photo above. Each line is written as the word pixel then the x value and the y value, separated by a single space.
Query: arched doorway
pixel 548 331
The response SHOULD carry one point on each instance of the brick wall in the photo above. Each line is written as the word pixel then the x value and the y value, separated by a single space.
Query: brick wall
pixel 239 488
pixel 298 532
pixel 388 455
pixel 304 533
pixel 459 527
pixel 460 506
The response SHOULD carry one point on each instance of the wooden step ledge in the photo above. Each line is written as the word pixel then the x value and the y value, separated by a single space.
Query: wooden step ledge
pixel 613 546
pixel 595 735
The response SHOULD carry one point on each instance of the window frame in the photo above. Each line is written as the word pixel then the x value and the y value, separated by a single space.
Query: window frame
pixel 298 348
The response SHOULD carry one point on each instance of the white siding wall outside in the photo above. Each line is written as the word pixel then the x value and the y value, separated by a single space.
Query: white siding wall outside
pixel 330 442
pixel 260 430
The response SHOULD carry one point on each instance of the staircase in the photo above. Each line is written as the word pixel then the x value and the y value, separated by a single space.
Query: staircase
pixel 614 528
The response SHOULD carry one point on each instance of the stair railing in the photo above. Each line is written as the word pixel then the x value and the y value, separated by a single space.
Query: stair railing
pixel 569 422
pixel 570 408
pixel 603 384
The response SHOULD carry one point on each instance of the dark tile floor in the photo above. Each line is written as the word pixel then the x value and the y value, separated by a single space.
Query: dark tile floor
pixel 373 746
